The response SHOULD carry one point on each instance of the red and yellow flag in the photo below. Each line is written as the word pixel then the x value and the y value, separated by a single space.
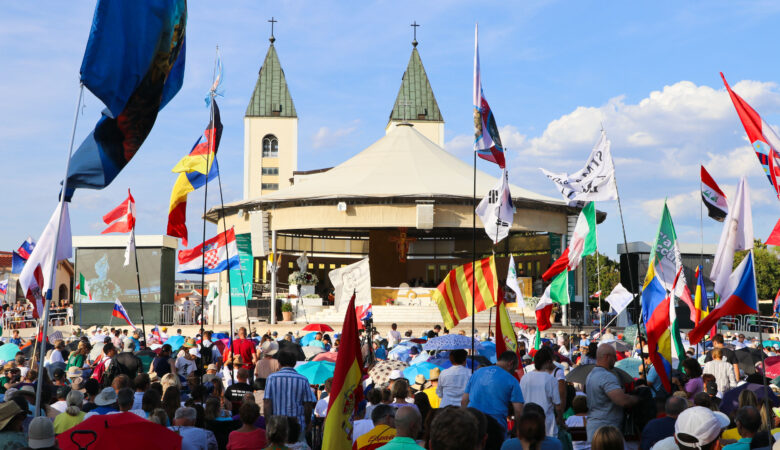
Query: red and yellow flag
pixel 454 293
pixel 347 392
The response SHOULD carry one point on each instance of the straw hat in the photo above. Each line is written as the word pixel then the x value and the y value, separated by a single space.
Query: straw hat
pixel 189 343
pixel 434 375
pixel 8 411
pixel 74 372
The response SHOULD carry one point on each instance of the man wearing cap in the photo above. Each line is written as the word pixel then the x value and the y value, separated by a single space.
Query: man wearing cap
pixel 62 393
pixel 126 362
pixel 453 380
pixel 696 428
pixel 106 403
pixel 606 398
pixel 41 434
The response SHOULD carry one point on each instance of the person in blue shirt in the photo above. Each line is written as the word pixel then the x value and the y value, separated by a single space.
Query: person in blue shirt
pixel 379 351
pixel 663 427
pixel 493 390
pixel 16 340
pixel 748 422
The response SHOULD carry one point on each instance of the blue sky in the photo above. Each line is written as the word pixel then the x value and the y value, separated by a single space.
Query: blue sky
pixel 553 71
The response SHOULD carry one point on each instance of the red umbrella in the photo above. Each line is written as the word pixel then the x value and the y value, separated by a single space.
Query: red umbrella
pixel 119 431
pixel 772 366
pixel 321 327
pixel 326 356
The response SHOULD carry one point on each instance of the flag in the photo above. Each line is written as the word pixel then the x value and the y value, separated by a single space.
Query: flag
pixel 193 170
pixel 761 136
pixel 737 234
pixel 596 294
pixel 363 312
pixel 120 313
pixel 559 289
pixel 487 142
pixel 774 237
pixel 45 248
pixel 17 263
pixel 82 288
pixel 221 253
pixel 156 333
pixel 583 243
pixel 714 199
pixel 667 265
pixel 4 287
pixel 619 298
pixel 122 220
pixel 352 279
pixel 739 298
pixel 216 86
pixel 134 63
pixel 776 304
pixel 506 339
pixel 700 302
pixel 655 316
pixel 25 250
pixel 346 391
pixel 34 292
pixel 511 279
pixel 594 182
pixel 496 210
pixel 544 310
pixel 453 296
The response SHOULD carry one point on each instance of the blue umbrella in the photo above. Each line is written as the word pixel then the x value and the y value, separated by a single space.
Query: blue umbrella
pixel 218 336
pixel 630 366
pixel 451 342
pixel 8 352
pixel 770 343
pixel 175 342
pixel 423 368
pixel 308 338
pixel 488 350
pixel 421 358
pixel 400 353
pixel 317 372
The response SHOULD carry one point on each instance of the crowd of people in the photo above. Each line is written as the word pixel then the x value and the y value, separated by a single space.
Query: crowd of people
pixel 250 395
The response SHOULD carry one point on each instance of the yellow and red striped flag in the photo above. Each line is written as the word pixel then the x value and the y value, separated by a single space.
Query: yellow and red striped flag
pixel 454 293
pixel 347 391
pixel 506 339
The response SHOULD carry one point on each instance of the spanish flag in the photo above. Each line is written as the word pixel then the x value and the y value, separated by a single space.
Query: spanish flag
pixel 454 293
pixel 195 170
pixel 506 339
pixel 346 392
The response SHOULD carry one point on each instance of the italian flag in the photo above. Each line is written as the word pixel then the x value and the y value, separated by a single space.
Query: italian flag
pixel 82 288
pixel 583 243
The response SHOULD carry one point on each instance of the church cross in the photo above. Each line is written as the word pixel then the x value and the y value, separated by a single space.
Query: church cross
pixel 414 26
pixel 405 103
pixel 272 22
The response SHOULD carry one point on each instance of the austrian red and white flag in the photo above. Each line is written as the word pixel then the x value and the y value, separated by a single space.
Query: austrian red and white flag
pixel 35 292
pixel 544 310
pixel 762 137
pixel 714 198
pixel 122 220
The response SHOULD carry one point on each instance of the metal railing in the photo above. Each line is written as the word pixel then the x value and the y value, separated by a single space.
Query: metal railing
pixel 167 314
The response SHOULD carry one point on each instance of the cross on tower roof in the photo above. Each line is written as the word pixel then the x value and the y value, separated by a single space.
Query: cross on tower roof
pixel 414 27
pixel 272 21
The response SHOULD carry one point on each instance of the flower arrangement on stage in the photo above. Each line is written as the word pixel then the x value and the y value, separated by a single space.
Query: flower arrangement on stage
pixel 286 307
pixel 389 301
pixel 302 278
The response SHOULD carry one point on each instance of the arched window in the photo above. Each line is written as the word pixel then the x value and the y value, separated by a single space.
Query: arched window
pixel 270 146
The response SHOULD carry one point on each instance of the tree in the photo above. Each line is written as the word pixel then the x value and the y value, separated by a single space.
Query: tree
pixel 767 264
pixel 609 274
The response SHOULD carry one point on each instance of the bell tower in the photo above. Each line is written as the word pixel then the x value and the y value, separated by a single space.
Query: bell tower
pixel 270 130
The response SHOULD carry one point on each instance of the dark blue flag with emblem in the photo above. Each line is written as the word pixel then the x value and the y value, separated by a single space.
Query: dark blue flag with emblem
pixel 134 63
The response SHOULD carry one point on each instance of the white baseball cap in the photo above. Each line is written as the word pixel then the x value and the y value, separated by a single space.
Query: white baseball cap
pixel 194 352
pixel 701 424
pixel 396 374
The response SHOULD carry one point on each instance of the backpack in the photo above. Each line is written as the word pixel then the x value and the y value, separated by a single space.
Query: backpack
pixel 206 356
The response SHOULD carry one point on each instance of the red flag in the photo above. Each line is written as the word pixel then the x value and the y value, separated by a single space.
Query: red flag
pixel 122 218
pixel 774 237
pixel 34 292
pixel 560 264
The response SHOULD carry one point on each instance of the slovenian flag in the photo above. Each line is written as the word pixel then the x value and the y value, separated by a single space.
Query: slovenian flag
pixel 156 333
pixel 4 287
pixel 740 298
pixel 714 199
pixel 26 249
pixel 120 313
pixel 213 256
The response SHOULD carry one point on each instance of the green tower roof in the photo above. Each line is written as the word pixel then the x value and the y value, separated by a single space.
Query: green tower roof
pixel 271 97
pixel 415 100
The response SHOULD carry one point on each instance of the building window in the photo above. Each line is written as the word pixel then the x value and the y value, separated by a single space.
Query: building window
pixel 270 146
pixel 270 171
pixel 270 186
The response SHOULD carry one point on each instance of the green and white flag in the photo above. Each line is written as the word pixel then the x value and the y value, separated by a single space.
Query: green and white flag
pixel 667 265
pixel 583 239
pixel 511 280
pixel 559 289
pixel 82 287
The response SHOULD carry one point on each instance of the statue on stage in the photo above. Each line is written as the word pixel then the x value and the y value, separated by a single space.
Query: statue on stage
pixel 303 262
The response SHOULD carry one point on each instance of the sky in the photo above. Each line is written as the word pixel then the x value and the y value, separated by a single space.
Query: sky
pixel 554 73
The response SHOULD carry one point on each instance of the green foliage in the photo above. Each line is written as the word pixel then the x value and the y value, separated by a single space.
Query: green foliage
pixel 767 265
pixel 286 307
pixel 610 276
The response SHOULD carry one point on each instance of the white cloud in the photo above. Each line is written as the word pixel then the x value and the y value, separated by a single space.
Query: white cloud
pixel 680 205
pixel 327 137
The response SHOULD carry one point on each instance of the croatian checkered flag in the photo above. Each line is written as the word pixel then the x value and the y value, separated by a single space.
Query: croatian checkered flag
pixel 213 256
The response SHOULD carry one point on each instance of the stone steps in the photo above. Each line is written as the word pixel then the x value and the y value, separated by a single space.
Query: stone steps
pixel 422 314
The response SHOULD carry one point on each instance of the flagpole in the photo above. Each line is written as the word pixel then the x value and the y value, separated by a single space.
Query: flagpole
pixel 53 260
pixel 138 280
pixel 473 256
pixel 240 269
pixel 598 279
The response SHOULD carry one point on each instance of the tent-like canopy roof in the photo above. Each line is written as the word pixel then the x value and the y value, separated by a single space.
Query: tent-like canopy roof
pixel 404 163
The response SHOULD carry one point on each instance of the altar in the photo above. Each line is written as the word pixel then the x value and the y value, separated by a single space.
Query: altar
pixel 403 295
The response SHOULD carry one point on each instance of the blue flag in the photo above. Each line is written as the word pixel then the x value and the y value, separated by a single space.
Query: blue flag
pixel 17 263
pixel 134 62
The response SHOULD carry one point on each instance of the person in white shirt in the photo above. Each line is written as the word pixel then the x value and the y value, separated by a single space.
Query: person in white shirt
pixel 193 438
pixel 739 342
pixel 540 387
pixel 62 393
pixel 393 336
pixel 453 380
pixel 186 365
pixel 321 408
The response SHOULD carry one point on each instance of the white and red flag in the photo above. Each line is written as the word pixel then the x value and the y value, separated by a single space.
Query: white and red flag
pixel 714 198
pixel 487 142
pixel 122 220
pixel 34 292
